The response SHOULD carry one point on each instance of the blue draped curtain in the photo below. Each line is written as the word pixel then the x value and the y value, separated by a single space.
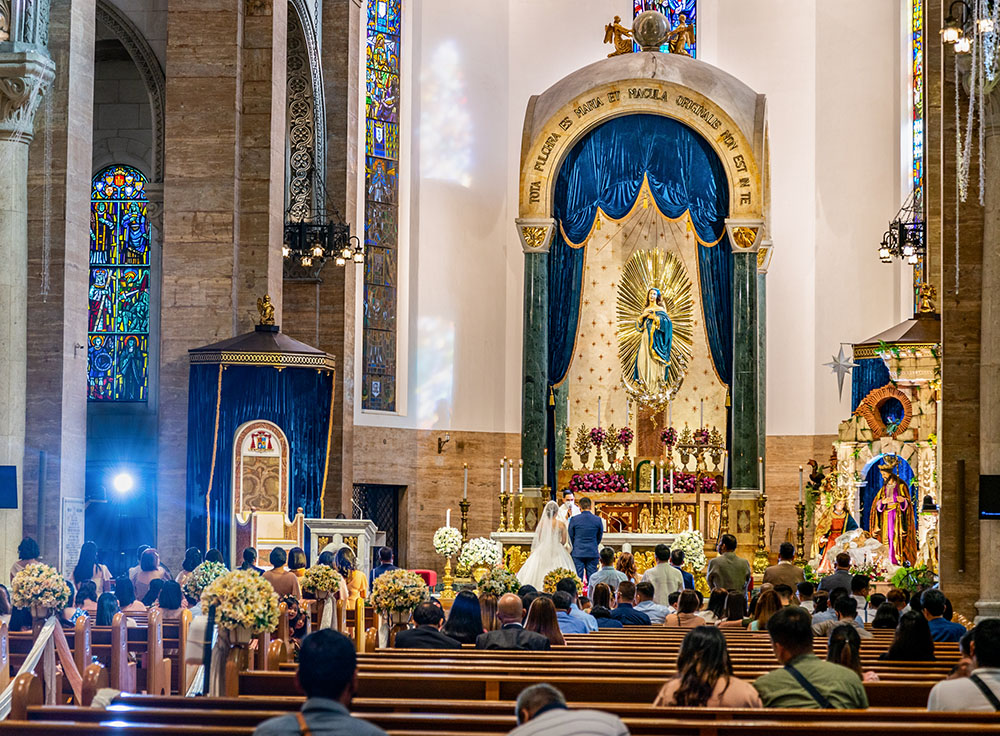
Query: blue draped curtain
pixel 868 375
pixel 296 399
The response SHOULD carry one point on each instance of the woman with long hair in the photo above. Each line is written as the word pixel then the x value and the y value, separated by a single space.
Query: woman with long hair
pixel 488 606
pixel 716 608
pixel 465 619
pixel 601 607
pixel 886 616
pixel 357 583
pixel 125 594
pixel 170 601
pixel 88 568
pixel 686 616
pixel 152 592
pixel 192 558
pixel 845 649
pixel 913 641
pixel 215 555
pixel 603 596
pixel 542 620
pixel 736 611
pixel 768 604
pixel 107 607
pixel 626 566
pixel 27 554
pixel 86 596
pixel 705 675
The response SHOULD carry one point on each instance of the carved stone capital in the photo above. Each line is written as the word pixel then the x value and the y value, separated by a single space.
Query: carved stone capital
pixel 744 233
pixel 535 233
pixel 24 78
pixel 764 253
pixel 154 204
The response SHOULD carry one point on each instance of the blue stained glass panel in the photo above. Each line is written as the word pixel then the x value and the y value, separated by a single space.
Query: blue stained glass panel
pixel 382 138
pixel 382 99
pixel 673 10
pixel 118 313
pixel 381 181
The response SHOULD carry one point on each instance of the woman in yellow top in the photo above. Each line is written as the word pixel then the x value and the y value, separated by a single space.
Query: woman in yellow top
pixel 357 583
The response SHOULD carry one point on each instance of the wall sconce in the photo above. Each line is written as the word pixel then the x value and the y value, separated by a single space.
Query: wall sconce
pixel 442 441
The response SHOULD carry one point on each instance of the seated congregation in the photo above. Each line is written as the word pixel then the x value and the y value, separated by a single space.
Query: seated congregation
pixel 670 659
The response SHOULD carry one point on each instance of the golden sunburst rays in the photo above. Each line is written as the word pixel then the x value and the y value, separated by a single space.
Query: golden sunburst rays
pixel 648 269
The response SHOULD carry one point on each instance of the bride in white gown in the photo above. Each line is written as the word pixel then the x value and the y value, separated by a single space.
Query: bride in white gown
pixel 548 549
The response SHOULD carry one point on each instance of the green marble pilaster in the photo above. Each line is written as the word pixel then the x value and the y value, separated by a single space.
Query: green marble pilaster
pixel 561 420
pixel 534 391
pixel 745 443
pixel 762 365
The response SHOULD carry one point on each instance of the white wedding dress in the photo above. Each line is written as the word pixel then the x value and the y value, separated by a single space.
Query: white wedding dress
pixel 548 549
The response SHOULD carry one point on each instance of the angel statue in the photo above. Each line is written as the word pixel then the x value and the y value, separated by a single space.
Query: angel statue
pixel 891 519
pixel 619 35
pixel 681 37
pixel 266 309
pixel 652 362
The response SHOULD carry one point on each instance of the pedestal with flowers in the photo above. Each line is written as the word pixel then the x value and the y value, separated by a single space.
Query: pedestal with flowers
pixel 201 577
pixel 481 555
pixel 41 588
pixel 325 583
pixel 692 544
pixel 394 596
pixel 447 543
pixel 242 604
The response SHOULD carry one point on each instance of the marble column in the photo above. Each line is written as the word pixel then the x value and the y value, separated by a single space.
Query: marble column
pixel 744 446
pixel 61 161
pixel 323 313
pixel 535 374
pixel 25 75
pixel 988 604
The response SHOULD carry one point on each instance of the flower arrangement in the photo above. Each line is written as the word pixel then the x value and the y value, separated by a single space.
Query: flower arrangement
pixel 625 437
pixel 242 598
pixel 320 579
pixel 398 591
pixel 908 578
pixel 598 483
pixel 688 482
pixel 560 573
pixel 447 541
pixel 481 552
pixel 810 574
pixel 874 570
pixel 702 436
pixel 668 437
pixel 581 445
pixel 597 436
pixel 39 585
pixel 692 544
pixel 498 581
pixel 612 441
pixel 201 577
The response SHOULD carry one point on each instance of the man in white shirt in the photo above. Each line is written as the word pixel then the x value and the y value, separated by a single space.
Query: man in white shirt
pixel 541 709
pixel 804 592
pixel 981 689
pixel 568 509
pixel 665 577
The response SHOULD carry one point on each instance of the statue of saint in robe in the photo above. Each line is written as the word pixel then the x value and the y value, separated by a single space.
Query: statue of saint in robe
pixel 831 523
pixel 891 519
pixel 652 363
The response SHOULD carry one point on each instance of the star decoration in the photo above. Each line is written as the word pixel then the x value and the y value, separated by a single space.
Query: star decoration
pixel 841 365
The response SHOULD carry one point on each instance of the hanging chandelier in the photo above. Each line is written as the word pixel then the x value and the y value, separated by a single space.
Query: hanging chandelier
pixel 310 242
pixel 905 237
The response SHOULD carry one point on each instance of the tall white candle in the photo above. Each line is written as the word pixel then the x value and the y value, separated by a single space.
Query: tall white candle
pixel 503 467
pixel 652 477
pixel 520 477
pixel 510 476
pixel 447 518
pixel 671 481
pixel 598 412
pixel 725 469
pixel 545 466
pixel 760 474
pixel 702 414
pixel 465 485
pixel 802 496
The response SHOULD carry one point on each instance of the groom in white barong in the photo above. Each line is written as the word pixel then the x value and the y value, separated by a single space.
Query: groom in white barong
pixel 549 549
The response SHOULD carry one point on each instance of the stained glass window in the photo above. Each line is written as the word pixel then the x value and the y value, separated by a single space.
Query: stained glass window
pixel 673 10
pixel 378 387
pixel 917 51
pixel 118 320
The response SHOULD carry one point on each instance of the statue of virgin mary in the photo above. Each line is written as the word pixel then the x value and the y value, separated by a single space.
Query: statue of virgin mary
pixel 652 362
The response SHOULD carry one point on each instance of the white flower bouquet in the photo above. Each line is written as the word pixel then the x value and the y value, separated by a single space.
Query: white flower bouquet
pixel 447 541
pixel 692 544
pixel 201 577
pixel 398 591
pixel 242 598
pixel 320 579
pixel 481 552
pixel 39 585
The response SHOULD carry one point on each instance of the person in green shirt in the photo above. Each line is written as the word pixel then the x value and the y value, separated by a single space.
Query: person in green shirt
pixel 805 680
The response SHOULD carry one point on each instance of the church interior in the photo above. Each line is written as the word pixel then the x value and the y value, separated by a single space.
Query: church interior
pixel 306 276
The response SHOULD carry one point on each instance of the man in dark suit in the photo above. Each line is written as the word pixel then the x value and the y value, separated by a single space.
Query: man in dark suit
pixel 384 565
pixel 677 561
pixel 428 618
pixel 585 534
pixel 625 612
pixel 511 635
pixel 841 577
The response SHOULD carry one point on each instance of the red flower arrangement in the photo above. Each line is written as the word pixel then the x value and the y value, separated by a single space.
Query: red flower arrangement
pixel 668 437
pixel 598 483
pixel 687 482
pixel 702 436
pixel 597 436
pixel 625 437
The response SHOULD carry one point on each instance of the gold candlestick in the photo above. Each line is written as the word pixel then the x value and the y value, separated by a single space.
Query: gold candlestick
pixel 464 506
pixel 520 512
pixel 760 558
pixel 504 500
pixel 800 534
pixel 448 593
pixel 724 513
pixel 567 463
